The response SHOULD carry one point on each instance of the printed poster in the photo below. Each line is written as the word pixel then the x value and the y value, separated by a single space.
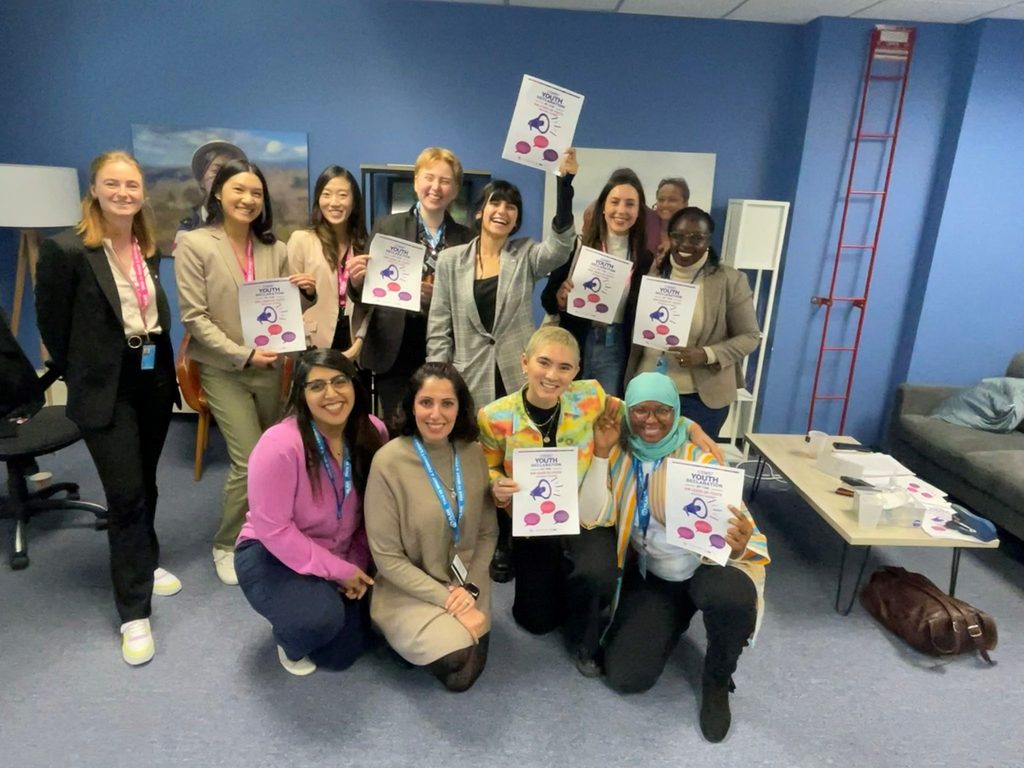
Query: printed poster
pixel 543 124
pixel 664 311
pixel 394 273
pixel 697 506
pixel 547 503
pixel 271 313
pixel 599 283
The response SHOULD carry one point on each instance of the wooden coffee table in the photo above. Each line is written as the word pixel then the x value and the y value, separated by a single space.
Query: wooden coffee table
pixel 790 455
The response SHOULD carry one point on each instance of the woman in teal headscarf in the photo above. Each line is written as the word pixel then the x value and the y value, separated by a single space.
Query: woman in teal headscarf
pixel 664 585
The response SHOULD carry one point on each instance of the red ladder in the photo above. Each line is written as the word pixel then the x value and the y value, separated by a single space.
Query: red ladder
pixel 889 55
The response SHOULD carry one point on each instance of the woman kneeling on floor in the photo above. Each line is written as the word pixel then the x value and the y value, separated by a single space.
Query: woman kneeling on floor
pixel 302 556
pixel 663 585
pixel 432 531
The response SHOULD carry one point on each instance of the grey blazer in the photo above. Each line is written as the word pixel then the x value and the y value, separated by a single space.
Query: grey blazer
pixel 455 332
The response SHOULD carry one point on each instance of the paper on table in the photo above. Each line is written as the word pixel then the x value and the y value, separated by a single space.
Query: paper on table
pixel 697 499
pixel 933 522
pixel 664 311
pixel 543 124
pixel 394 273
pixel 919 490
pixel 547 503
pixel 271 314
pixel 599 282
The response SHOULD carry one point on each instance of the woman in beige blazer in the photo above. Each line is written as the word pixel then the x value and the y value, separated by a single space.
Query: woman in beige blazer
pixel 242 384
pixel 707 371
pixel 332 249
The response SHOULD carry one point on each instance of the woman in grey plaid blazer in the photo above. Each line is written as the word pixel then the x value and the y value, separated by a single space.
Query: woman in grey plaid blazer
pixel 481 313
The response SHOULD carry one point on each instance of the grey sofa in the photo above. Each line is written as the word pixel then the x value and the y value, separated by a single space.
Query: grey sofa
pixel 984 470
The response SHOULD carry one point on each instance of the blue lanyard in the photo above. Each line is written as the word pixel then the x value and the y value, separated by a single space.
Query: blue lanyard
pixel 433 239
pixel 346 466
pixel 439 490
pixel 643 493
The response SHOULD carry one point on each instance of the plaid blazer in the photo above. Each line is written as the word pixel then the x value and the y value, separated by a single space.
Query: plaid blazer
pixel 455 333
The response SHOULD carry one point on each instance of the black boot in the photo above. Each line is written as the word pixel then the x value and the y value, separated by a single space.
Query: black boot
pixel 502 570
pixel 715 717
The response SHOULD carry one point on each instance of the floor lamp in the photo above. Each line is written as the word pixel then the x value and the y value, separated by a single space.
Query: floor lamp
pixel 34 197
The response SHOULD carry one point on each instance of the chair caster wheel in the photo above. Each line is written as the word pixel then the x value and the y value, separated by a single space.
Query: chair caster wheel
pixel 19 562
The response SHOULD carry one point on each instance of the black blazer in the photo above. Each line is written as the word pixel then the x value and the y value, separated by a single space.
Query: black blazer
pixel 387 325
pixel 79 314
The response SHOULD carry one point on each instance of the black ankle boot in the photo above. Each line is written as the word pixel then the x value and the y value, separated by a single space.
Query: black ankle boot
pixel 501 568
pixel 715 717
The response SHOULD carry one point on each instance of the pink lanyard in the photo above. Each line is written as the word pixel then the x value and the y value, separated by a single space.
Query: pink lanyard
pixel 343 276
pixel 141 288
pixel 249 270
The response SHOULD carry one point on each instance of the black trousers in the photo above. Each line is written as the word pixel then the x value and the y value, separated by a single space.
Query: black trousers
pixel 126 453
pixel 566 580
pixel 711 419
pixel 653 614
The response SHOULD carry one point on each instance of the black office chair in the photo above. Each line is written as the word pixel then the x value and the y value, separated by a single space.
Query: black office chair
pixel 29 429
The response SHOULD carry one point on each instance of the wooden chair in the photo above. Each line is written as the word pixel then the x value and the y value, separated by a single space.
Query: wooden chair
pixel 192 394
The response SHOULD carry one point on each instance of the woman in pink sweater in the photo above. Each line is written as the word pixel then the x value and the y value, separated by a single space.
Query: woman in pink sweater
pixel 302 557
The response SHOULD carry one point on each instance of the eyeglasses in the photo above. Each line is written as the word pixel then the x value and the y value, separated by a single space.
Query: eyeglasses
pixel 661 413
pixel 339 382
pixel 688 237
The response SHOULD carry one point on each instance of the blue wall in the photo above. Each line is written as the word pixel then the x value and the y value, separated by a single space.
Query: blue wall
pixel 774 102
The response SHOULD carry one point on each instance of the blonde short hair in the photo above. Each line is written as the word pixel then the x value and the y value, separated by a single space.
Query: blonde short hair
pixel 432 155
pixel 552 334
pixel 91 227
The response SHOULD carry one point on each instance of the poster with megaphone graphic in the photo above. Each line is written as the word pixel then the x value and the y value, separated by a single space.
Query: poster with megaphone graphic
pixel 599 285
pixel 547 503
pixel 394 273
pixel 697 499
pixel 543 124
pixel 664 312
pixel 271 314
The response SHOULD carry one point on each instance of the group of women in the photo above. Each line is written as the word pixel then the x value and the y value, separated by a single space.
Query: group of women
pixel 293 532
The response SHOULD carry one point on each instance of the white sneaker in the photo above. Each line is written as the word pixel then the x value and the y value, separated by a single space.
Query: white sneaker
pixel 165 583
pixel 137 642
pixel 301 668
pixel 224 562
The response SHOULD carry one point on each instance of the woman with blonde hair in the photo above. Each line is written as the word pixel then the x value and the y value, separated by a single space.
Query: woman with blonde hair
pixel 105 321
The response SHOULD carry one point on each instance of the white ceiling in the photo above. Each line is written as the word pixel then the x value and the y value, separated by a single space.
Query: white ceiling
pixel 790 11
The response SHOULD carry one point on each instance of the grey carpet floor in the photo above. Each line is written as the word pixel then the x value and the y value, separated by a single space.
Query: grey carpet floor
pixel 818 689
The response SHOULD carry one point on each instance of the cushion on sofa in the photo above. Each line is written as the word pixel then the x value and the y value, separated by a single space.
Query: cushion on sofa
pixel 994 405
pixel 1000 473
pixel 949 444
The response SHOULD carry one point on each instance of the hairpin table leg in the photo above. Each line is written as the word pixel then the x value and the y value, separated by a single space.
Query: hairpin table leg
pixel 856 584
pixel 758 474
pixel 954 571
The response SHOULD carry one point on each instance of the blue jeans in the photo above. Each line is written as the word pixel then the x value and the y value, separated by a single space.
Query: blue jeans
pixel 308 615
pixel 711 419
pixel 605 352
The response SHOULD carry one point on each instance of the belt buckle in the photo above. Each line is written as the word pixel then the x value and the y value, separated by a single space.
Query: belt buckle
pixel 134 342
pixel 974 630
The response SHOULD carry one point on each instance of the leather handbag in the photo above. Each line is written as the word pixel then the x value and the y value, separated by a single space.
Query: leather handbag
pixel 911 606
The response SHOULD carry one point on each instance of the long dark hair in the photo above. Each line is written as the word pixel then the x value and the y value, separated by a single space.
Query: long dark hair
pixel 355 224
pixel 465 428
pixel 501 191
pixel 262 227
pixel 692 213
pixel 595 234
pixel 360 434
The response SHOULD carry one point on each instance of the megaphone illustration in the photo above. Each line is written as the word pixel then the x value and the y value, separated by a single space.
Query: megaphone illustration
pixel 542 491
pixel 593 284
pixel 268 315
pixel 540 123
pixel 391 273
pixel 697 508
pixel 660 314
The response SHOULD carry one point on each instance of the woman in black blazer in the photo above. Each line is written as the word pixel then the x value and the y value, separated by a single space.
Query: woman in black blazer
pixel 106 323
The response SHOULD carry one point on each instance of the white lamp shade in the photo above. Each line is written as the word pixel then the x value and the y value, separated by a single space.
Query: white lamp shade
pixel 39 196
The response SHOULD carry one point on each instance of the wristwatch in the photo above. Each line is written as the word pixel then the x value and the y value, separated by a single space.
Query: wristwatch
pixel 473 589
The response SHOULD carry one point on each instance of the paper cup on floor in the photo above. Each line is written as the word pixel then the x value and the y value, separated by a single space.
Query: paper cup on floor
pixel 816 442
pixel 40 480
pixel 869 506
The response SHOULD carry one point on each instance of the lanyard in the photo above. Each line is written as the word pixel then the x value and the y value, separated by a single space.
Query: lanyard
pixel 433 239
pixel 343 277
pixel 439 490
pixel 346 465
pixel 249 267
pixel 141 288
pixel 643 493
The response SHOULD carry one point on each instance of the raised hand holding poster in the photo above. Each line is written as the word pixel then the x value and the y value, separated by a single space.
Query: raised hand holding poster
pixel 697 499
pixel 394 273
pixel 543 124
pixel 547 503
pixel 271 314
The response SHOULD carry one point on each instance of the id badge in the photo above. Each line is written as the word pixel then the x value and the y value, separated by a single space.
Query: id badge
pixel 148 361
pixel 641 564
pixel 459 571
